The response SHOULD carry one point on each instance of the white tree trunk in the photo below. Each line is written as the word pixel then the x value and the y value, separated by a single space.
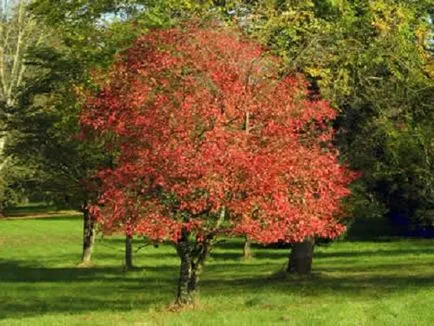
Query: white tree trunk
pixel 18 33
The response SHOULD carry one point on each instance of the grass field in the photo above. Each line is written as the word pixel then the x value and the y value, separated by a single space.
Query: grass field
pixel 354 283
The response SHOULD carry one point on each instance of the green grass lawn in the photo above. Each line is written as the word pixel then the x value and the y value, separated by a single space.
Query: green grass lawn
pixel 354 283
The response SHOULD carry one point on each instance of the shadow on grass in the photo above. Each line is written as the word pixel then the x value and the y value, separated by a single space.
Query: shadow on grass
pixel 30 209
pixel 374 253
pixel 284 253
pixel 369 287
pixel 15 271
pixel 27 290
pixel 233 251
pixel 38 211
pixel 68 305
pixel 46 218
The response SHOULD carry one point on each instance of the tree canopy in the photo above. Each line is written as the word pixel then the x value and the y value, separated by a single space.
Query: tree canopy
pixel 206 127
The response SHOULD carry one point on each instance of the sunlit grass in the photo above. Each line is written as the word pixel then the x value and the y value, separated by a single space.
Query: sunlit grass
pixel 354 283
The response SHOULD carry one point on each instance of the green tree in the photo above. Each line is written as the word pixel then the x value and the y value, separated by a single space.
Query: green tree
pixel 19 32
pixel 372 59
pixel 46 128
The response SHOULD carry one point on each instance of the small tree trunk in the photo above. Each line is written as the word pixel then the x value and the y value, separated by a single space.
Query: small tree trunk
pixel 202 252
pixel 184 295
pixel 128 252
pixel 300 259
pixel 193 256
pixel 88 237
pixel 246 249
pixel 194 279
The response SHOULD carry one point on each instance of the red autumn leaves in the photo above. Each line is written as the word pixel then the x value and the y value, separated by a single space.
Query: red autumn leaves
pixel 202 120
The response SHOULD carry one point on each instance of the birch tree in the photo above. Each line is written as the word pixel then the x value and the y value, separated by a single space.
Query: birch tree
pixel 19 32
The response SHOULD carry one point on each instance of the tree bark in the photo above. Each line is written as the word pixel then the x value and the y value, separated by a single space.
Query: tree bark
pixel 246 249
pixel 129 252
pixel 202 252
pixel 194 280
pixel 88 236
pixel 193 256
pixel 300 259
pixel 184 295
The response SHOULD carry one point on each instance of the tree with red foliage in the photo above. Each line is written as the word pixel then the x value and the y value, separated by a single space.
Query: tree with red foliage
pixel 212 139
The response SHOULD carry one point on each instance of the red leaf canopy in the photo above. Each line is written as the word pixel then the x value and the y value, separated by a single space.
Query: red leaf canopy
pixel 203 119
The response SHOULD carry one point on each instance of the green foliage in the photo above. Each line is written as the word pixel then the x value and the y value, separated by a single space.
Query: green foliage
pixel 45 131
pixel 96 30
pixel 12 191
pixel 81 36
pixel 18 33
pixel 373 61
pixel 364 205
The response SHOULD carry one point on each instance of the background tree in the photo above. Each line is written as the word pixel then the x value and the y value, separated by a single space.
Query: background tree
pixel 19 32
pixel 355 52
pixel 46 128
pixel 46 138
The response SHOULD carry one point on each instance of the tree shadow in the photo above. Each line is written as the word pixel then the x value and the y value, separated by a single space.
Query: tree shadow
pixel 47 218
pixel 368 287
pixel 67 304
pixel 29 209
pixel 373 253
pixel 257 254
pixel 28 290
pixel 58 218
pixel 233 251
pixel 16 271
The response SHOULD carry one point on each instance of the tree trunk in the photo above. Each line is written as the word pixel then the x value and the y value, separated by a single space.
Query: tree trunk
pixel 300 259
pixel 88 237
pixel 129 252
pixel 193 256
pixel 184 295
pixel 2 208
pixel 194 279
pixel 246 249
pixel 202 251
pixel 3 186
